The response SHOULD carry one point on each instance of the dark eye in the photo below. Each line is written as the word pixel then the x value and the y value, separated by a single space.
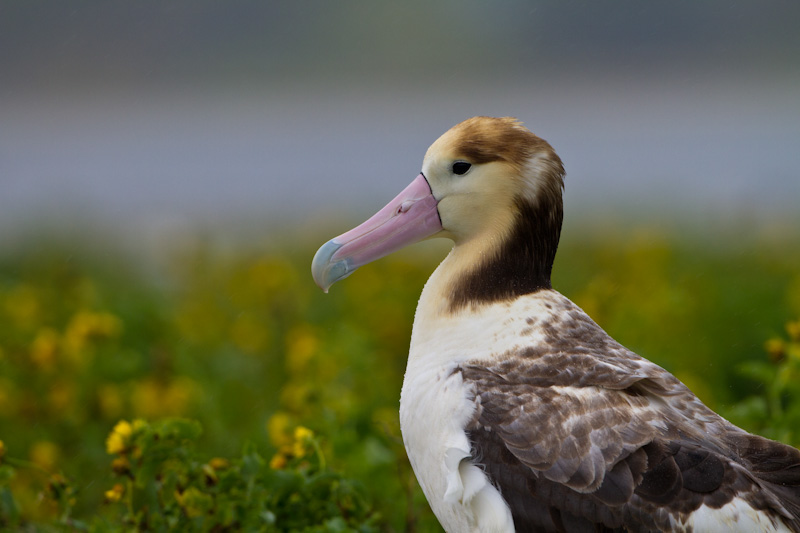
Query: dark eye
pixel 461 167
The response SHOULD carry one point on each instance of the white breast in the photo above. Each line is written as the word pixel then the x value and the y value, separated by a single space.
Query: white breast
pixel 436 406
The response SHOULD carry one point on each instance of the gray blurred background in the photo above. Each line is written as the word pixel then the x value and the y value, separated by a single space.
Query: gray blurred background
pixel 151 117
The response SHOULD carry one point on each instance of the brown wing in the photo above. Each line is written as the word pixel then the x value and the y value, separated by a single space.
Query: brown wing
pixel 598 445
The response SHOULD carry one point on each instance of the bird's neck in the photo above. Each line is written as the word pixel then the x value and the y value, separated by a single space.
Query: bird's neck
pixel 494 267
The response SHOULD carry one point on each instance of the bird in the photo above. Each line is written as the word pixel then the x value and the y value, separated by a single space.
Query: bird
pixel 519 412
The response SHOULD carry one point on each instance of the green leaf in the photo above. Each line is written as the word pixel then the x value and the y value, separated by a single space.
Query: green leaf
pixel 6 473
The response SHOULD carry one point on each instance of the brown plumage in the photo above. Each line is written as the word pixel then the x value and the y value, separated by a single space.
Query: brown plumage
pixel 579 433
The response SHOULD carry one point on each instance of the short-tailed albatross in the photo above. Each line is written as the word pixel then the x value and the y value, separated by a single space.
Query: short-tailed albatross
pixel 518 412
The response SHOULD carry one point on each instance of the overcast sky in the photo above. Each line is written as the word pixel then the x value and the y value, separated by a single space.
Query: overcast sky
pixel 146 111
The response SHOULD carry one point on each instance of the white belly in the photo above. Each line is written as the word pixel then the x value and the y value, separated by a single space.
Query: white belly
pixel 435 406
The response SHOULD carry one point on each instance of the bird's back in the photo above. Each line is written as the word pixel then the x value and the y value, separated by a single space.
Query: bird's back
pixel 590 434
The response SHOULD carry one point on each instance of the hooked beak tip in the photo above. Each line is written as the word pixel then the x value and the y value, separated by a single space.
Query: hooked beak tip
pixel 326 272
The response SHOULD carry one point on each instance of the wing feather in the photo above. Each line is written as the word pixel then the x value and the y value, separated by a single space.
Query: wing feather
pixel 595 434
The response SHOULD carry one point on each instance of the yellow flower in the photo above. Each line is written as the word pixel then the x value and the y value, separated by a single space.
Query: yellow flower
pixel 303 433
pixel 154 399
pixel 301 344
pixel 793 328
pixel 45 454
pixel 302 438
pixel 86 326
pixel 776 349
pixel 278 429
pixel 116 493
pixel 278 461
pixel 119 438
pixel 211 468
pixel 121 466
pixel 219 463
pixel 44 348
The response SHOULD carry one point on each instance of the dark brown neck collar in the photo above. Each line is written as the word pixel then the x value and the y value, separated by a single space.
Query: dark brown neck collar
pixel 524 261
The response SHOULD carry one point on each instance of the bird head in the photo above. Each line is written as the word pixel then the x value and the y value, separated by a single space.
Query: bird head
pixel 481 182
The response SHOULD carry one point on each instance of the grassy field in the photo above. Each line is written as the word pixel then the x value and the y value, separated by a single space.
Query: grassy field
pixel 295 393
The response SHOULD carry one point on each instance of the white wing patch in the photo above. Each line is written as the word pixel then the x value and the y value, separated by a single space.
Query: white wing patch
pixel 735 517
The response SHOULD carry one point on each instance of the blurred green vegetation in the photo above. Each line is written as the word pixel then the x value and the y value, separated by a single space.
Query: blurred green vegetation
pixel 240 340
